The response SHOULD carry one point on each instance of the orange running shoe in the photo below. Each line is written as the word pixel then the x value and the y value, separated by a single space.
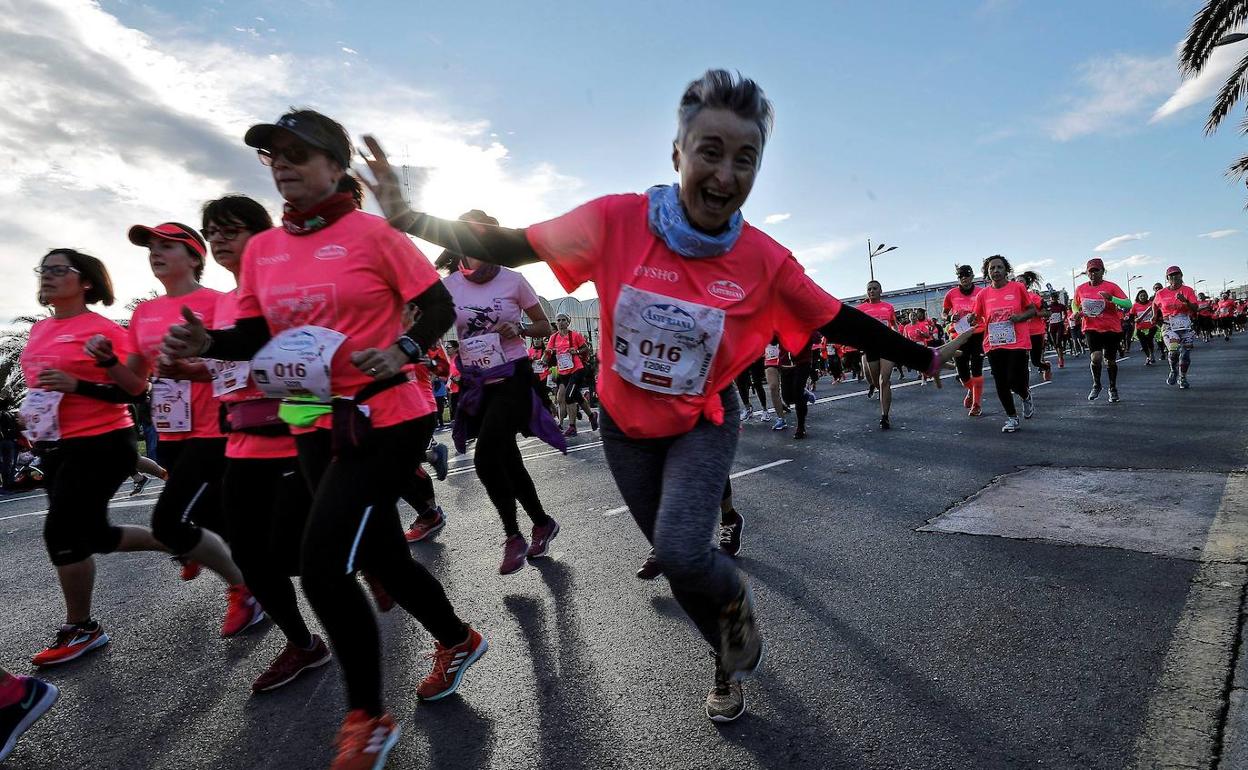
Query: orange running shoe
pixel 363 741
pixel 242 611
pixel 190 567
pixel 449 665
pixel 72 641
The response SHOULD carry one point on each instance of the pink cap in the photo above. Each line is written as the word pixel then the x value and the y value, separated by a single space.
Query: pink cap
pixel 1172 270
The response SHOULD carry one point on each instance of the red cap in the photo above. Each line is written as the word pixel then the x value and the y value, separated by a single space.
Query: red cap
pixel 1095 262
pixel 141 235
pixel 1172 270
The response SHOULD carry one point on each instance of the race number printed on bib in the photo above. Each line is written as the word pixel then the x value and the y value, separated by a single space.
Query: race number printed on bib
pixel 482 351
pixel 171 405
pixel 1001 333
pixel 1055 318
pixel 227 376
pixel 962 325
pixel 1093 307
pixel 1179 323
pixel 665 345
pixel 771 353
pixel 40 415
pixel 564 362
pixel 297 363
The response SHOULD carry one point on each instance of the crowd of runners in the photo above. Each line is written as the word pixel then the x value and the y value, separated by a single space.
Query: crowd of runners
pixel 292 413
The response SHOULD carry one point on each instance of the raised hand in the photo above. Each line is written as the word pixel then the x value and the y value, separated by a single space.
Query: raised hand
pixel 385 185
pixel 99 347
pixel 187 339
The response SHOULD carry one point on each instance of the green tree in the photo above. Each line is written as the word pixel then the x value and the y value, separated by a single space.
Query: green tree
pixel 12 343
pixel 1211 24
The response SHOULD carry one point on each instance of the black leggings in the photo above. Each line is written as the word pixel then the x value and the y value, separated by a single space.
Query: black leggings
pixel 505 411
pixel 752 376
pixel 793 389
pixel 1037 352
pixel 1148 340
pixel 354 525
pixel 971 362
pixel 1057 336
pixel 81 475
pixel 192 496
pixel 1009 374
pixel 266 509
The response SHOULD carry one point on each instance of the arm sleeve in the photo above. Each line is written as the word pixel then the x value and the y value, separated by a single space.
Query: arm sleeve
pixel 108 392
pixel 1123 303
pixel 435 314
pixel 240 343
pixel 504 246
pixel 851 326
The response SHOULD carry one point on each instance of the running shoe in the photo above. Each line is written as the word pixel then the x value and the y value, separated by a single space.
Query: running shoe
pixel 650 568
pixel 1011 425
pixel 1029 407
pixel 363 741
pixel 1183 384
pixel 1095 393
pixel 976 411
pixel 767 415
pixel 746 413
pixel 190 567
pixel 593 420
pixel 871 391
pixel 242 611
pixel 1113 395
pixel 138 484
pixel 571 431
pixel 1046 374
pixel 1148 362
pixel 17 717
pixel 1172 378
pixel 440 463
pixel 966 400
pixel 884 423
pixel 426 525
pixel 725 702
pixel 514 550
pixel 449 666
pixel 740 644
pixel 541 537
pixel 800 433
pixel 730 534
pixel 382 597
pixel 810 396
pixel 73 641
pixel 780 424
pixel 290 663
pixel 1061 363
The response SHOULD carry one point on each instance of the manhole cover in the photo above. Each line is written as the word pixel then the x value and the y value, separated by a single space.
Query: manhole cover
pixel 1168 513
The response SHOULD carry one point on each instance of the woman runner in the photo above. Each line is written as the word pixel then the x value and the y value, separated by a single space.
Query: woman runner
pixel 1101 302
pixel 678 345
pixel 1177 307
pixel 1036 325
pixel 330 288
pixel 78 422
pixel 1003 307
pixel 1059 336
pixel 958 305
pixel 1143 312
pixel 773 353
pixel 188 517
pixel 879 370
pixel 497 394
pixel 266 499
pixel 752 376
pixel 567 350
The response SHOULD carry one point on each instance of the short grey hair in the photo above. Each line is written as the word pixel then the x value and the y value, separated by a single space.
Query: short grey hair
pixel 723 90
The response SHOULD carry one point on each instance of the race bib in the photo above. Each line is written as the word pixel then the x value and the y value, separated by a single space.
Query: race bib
pixel 665 345
pixel 1055 318
pixel 564 362
pixel 962 325
pixel 771 353
pixel 1146 317
pixel 482 351
pixel 296 363
pixel 1179 323
pixel 227 376
pixel 1093 307
pixel 171 405
pixel 1001 333
pixel 40 412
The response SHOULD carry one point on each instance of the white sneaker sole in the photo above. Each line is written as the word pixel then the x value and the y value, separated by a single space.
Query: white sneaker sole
pixel 463 669
pixel 724 719
pixel 102 640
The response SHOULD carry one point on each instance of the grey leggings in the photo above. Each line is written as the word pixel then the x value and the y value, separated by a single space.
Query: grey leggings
pixel 673 487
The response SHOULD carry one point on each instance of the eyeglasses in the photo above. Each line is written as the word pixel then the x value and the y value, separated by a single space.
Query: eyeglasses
pixel 297 154
pixel 59 271
pixel 224 233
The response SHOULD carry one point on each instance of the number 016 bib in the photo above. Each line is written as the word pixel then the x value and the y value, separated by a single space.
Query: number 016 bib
pixel 297 363
pixel 665 345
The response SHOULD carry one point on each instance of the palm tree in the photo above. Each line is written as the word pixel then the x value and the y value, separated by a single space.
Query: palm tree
pixel 1209 28
pixel 12 343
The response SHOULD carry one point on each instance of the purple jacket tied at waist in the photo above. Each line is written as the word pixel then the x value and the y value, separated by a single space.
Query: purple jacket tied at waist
pixel 472 382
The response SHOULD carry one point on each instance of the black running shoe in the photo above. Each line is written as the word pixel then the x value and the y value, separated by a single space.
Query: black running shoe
pixel 730 534
pixel 650 568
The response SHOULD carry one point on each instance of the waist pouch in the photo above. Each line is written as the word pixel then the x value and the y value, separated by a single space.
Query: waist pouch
pixel 255 418
pixel 351 423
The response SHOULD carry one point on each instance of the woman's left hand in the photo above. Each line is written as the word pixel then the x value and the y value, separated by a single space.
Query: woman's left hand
pixel 507 330
pixel 380 364
pixel 55 379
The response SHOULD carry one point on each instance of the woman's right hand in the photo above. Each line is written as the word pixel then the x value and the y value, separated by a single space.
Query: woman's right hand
pixel 385 185
pixel 99 347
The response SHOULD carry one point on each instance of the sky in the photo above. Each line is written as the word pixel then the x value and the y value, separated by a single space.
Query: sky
pixel 1046 131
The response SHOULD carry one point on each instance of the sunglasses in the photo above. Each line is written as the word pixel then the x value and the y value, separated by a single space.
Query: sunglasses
pixel 224 233
pixel 59 271
pixel 296 154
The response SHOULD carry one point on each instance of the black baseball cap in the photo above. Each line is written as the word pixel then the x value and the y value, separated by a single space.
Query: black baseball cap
pixel 310 126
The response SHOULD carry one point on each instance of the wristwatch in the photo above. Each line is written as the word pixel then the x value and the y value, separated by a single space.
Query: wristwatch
pixel 409 347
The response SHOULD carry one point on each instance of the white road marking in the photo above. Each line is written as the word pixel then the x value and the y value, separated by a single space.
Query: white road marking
pixel 571 449
pixel 736 475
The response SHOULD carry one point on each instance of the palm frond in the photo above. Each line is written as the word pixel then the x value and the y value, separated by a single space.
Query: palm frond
pixel 1217 18
pixel 1233 90
pixel 1239 169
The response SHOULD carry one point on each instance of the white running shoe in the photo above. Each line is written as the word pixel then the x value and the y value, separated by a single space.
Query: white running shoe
pixel 1011 425
pixel 1029 407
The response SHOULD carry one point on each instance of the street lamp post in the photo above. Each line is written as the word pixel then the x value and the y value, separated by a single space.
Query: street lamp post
pixel 1131 278
pixel 873 253
pixel 923 286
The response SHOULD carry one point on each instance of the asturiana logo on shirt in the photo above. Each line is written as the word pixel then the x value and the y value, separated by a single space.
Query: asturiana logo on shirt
pixel 726 290
pixel 668 318
pixel 332 251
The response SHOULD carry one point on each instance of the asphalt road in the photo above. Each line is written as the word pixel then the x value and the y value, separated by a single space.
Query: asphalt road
pixel 887 647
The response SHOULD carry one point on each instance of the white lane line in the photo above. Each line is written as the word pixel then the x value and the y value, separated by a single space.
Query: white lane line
pixel 578 448
pixel 736 475
pixel 125 502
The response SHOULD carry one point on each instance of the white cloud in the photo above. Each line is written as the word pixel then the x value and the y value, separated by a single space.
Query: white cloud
pixel 1116 91
pixel 1195 90
pixel 1118 240
pixel 829 250
pixel 1135 260
pixel 106 126
pixel 1034 265
pixel 349 50
pixel 1218 234
pixel 775 219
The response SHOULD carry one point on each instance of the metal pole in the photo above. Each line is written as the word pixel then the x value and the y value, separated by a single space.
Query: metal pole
pixel 870 260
